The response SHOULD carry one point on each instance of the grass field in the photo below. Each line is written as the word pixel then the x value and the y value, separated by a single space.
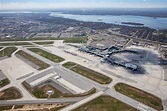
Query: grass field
pixel 7 51
pixel 17 107
pixel 69 64
pixel 4 82
pixel 47 55
pixel 52 109
pixel 91 74
pixel 33 59
pixel 105 103
pixel 3 108
pixel 139 95
pixel 44 43
pixel 10 94
pixel 15 44
pixel 40 92
pixel 57 108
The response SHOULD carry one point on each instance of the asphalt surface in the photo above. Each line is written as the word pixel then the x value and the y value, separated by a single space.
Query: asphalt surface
pixel 67 74
pixel 76 79
pixel 119 76
pixel 2 75
pixel 86 100
pixel 42 101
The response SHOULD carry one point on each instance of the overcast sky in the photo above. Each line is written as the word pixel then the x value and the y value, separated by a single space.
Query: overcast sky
pixel 51 4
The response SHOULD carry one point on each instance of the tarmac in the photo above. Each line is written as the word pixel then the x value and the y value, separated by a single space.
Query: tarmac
pixel 152 81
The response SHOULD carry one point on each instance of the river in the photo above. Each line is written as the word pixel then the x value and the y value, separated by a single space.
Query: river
pixel 155 23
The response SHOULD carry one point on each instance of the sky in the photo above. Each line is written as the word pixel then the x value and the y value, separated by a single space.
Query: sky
pixel 53 4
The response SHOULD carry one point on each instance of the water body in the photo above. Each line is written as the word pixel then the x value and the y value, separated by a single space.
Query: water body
pixel 155 23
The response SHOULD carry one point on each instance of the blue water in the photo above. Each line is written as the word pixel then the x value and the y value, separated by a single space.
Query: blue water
pixel 155 23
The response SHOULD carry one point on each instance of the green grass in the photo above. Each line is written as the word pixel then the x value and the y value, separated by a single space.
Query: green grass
pixel 44 43
pixel 91 74
pixel 105 103
pixel 15 44
pixel 69 64
pixel 7 51
pixel 18 106
pixel 40 92
pixel 10 94
pixel 139 95
pixel 3 108
pixel 47 55
pixel 56 108
pixel 42 65
pixel 4 82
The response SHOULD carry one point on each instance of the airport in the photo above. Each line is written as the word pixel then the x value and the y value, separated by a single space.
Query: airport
pixel 80 73
pixel 107 53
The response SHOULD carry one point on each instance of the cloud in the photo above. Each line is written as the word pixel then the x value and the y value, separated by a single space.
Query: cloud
pixel 77 4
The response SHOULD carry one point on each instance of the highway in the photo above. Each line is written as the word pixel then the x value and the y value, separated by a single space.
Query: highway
pixel 138 39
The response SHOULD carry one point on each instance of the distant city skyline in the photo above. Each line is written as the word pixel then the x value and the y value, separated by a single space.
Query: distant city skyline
pixel 53 4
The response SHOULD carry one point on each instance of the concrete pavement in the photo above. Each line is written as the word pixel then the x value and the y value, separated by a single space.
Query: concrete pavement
pixel 41 101
pixel 15 83
pixel 11 74
pixel 164 102
pixel 67 74
pixel 86 100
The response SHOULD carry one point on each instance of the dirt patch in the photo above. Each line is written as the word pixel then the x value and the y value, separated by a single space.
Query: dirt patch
pixel 10 94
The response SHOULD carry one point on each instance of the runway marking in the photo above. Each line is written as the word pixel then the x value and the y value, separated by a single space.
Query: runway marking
pixel 142 107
